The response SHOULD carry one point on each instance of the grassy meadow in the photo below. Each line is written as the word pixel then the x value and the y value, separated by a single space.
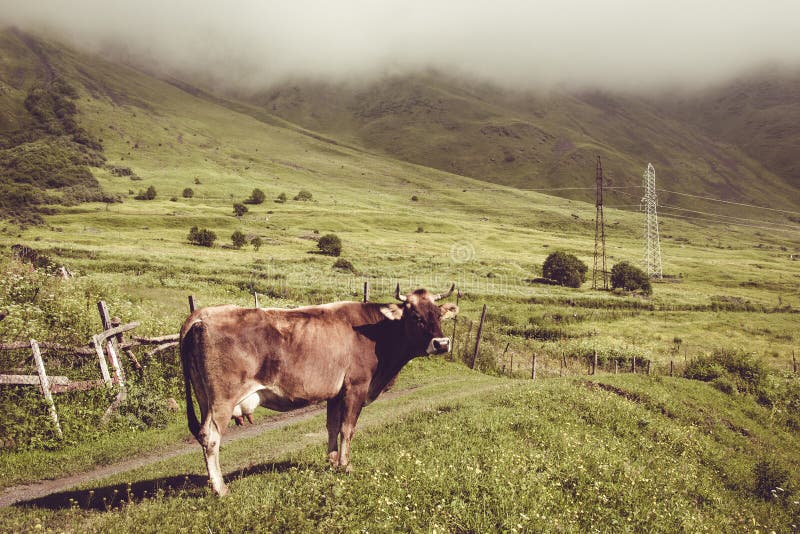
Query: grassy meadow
pixel 466 451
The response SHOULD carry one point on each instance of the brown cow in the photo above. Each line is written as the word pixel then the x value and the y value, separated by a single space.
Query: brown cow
pixel 345 353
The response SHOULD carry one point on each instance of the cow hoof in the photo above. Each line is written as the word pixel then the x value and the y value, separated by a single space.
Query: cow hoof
pixel 333 459
pixel 223 491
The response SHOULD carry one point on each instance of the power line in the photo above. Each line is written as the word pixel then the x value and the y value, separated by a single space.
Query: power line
pixel 729 202
pixel 674 215
pixel 732 217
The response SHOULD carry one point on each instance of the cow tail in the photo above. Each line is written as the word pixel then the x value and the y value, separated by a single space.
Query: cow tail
pixel 190 347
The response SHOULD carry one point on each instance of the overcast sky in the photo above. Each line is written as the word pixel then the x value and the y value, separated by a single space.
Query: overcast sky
pixel 611 43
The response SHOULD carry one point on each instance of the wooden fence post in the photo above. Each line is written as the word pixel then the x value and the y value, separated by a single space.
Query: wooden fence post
pixel 648 367
pixel 794 363
pixel 102 358
pixel 111 344
pixel 633 365
pixel 671 368
pixel 512 365
pixel 366 291
pixel 616 366
pixel 255 298
pixel 115 322
pixel 192 306
pixel 37 356
pixel 594 365
pixel 533 367
pixel 478 337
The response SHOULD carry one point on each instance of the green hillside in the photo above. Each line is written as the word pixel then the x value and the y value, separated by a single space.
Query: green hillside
pixel 538 140
pixel 465 450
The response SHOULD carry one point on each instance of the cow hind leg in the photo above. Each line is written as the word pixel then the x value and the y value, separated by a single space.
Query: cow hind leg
pixel 210 438
pixel 334 425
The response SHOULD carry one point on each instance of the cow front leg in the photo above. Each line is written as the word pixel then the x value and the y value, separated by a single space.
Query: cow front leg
pixel 334 425
pixel 353 402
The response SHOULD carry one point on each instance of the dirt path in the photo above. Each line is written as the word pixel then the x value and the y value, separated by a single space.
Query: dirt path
pixel 26 492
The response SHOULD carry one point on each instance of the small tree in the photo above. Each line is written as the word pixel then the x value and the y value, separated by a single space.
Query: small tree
pixel 256 242
pixel 238 239
pixel 188 192
pixel 304 195
pixel 330 245
pixel 239 209
pixel 630 278
pixel 280 199
pixel 566 269
pixel 256 197
pixel 149 194
pixel 202 237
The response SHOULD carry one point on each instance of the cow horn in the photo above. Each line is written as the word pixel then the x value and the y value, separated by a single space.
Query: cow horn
pixel 398 296
pixel 444 295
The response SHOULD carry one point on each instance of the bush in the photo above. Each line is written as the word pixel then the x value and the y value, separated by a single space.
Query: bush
pixel 303 195
pixel 150 194
pixel 344 265
pixel 202 237
pixel 280 199
pixel 565 269
pixel 239 209
pixel 330 245
pixel 256 197
pixel 238 239
pixel 256 242
pixel 770 478
pixel 414 198
pixel 745 370
pixel 420 229
pixel 188 192
pixel 630 278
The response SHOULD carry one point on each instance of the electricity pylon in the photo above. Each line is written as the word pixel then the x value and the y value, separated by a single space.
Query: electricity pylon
pixel 599 229
pixel 652 244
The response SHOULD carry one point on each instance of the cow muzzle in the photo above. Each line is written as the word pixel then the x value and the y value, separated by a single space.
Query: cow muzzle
pixel 439 345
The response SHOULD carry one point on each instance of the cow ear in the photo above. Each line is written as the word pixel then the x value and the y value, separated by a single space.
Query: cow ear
pixel 449 310
pixel 393 312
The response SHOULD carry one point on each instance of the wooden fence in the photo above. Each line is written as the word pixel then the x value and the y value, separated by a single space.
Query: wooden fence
pixel 106 346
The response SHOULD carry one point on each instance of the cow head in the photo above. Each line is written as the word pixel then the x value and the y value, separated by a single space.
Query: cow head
pixel 422 318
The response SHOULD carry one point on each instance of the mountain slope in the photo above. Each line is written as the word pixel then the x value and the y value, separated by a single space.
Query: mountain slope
pixel 530 140
pixel 759 113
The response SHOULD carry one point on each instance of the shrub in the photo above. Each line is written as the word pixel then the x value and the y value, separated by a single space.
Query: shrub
pixel 565 269
pixel 330 245
pixel 420 229
pixel 238 239
pixel 303 195
pixel 197 181
pixel 173 199
pixel 414 198
pixel 747 372
pixel 149 194
pixel 770 477
pixel 202 237
pixel 630 278
pixel 256 197
pixel 188 192
pixel 256 242
pixel 344 265
pixel 280 199
pixel 239 209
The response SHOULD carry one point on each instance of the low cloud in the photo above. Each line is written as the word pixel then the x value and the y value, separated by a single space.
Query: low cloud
pixel 616 44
